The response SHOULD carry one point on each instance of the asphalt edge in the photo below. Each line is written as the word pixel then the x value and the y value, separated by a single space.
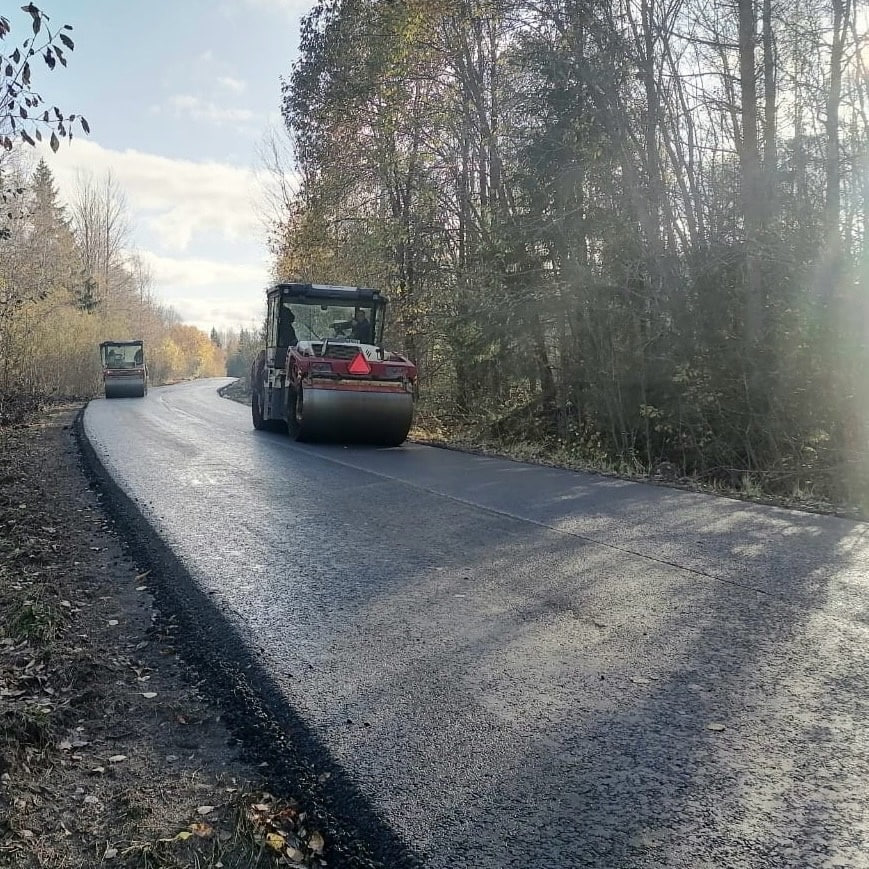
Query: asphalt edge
pixel 269 731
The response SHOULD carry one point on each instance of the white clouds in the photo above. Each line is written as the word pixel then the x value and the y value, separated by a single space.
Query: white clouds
pixel 208 292
pixel 177 199
pixel 206 110
pixel 296 8
pixel 221 314
pixel 179 203
pixel 235 85
pixel 199 272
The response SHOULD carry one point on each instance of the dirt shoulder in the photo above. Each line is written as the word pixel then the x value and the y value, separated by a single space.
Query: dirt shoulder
pixel 111 752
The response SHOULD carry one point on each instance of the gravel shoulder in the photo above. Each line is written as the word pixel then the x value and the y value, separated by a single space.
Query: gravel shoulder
pixel 112 751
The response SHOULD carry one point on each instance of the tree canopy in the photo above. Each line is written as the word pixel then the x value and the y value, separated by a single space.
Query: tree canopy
pixel 631 231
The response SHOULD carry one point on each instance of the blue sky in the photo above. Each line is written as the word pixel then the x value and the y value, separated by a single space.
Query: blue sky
pixel 179 96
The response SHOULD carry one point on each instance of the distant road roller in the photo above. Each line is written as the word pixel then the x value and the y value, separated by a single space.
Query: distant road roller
pixel 323 375
pixel 124 372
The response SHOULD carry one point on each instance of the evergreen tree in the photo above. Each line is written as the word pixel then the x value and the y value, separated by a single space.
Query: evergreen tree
pixel 52 243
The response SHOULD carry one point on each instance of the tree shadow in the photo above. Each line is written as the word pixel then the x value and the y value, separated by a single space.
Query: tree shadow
pixel 560 691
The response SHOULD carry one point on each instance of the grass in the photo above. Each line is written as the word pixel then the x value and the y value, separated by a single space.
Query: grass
pixel 33 620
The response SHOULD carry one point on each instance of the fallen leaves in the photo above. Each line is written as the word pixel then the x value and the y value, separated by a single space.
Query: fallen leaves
pixel 276 841
pixel 316 843
pixel 716 726
pixel 283 829
pixel 64 677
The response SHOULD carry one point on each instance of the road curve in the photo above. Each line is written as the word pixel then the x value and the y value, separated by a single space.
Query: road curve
pixel 521 666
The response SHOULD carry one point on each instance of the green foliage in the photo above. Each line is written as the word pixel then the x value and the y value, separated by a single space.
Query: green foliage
pixel 556 201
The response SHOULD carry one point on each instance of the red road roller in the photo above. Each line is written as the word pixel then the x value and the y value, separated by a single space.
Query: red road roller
pixel 324 375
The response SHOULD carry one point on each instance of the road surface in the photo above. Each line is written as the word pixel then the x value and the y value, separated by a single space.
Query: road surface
pixel 527 667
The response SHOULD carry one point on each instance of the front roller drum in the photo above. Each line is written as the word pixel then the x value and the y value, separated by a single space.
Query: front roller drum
pixel 349 416
pixel 125 387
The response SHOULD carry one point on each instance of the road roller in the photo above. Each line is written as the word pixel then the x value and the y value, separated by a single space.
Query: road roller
pixel 124 372
pixel 324 374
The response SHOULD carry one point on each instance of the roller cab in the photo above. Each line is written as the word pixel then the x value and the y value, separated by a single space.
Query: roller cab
pixel 324 374
pixel 124 372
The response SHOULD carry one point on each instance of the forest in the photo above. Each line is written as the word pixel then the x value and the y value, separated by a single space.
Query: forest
pixel 70 275
pixel 622 233
pixel 70 278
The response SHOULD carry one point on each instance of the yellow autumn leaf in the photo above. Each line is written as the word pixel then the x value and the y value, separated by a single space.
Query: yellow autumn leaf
pixel 273 840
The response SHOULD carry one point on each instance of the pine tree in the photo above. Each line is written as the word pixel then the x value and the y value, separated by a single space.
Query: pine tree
pixel 51 239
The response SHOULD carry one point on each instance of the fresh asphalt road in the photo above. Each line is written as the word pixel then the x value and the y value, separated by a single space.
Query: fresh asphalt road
pixel 529 667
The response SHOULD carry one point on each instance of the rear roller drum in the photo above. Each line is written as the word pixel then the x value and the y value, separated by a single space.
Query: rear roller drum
pixel 257 411
pixel 296 413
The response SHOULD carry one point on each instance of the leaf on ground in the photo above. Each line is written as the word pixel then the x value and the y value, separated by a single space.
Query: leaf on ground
pixel 205 810
pixel 183 836
pixel 316 843
pixel 113 622
pixel 204 831
pixel 639 680
pixel 716 726
pixel 110 854
pixel 149 695
pixel 295 854
pixel 275 841
pixel 117 758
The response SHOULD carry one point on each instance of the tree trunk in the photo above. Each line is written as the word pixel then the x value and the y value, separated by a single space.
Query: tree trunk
pixel 769 108
pixel 752 194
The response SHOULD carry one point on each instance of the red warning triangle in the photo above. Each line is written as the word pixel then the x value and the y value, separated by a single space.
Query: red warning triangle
pixel 359 365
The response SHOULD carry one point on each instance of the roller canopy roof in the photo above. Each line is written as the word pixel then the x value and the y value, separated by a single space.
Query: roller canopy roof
pixel 325 291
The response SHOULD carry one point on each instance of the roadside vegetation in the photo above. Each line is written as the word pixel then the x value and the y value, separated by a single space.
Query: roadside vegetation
pixel 621 234
pixel 68 281
pixel 69 277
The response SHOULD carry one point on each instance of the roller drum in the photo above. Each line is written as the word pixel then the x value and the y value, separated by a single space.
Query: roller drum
pixel 125 387
pixel 352 416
